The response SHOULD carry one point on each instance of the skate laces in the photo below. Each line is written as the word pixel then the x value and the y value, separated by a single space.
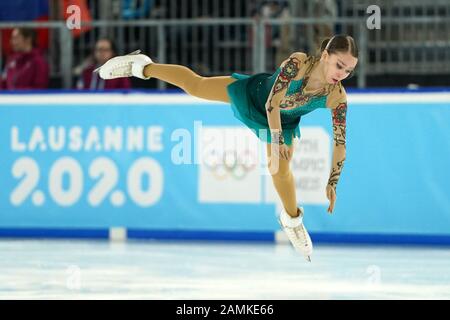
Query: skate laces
pixel 122 69
pixel 300 234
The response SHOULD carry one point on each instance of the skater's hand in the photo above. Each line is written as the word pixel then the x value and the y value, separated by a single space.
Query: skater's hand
pixel 282 150
pixel 278 145
pixel 331 195
pixel 285 153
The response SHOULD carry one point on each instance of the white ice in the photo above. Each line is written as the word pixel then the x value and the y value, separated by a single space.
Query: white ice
pixel 55 269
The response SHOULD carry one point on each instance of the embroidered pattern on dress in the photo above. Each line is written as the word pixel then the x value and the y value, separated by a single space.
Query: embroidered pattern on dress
pixel 295 96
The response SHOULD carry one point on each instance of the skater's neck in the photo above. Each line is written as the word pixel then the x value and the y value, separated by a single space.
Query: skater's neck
pixel 316 80
pixel 317 77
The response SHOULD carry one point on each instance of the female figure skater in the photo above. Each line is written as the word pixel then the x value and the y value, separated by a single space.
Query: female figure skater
pixel 275 103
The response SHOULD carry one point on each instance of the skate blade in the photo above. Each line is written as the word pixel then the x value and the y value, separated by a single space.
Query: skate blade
pixel 97 70
pixel 134 52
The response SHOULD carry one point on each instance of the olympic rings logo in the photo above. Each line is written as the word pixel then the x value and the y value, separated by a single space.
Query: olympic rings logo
pixel 223 164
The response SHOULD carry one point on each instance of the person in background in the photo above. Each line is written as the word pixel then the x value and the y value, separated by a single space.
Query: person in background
pixel 284 45
pixel 26 68
pixel 104 50
pixel 324 9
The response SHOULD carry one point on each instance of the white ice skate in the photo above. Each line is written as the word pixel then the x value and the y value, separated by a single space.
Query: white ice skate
pixel 296 232
pixel 132 64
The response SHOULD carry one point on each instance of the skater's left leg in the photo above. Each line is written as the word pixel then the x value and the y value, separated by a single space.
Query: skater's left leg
pixel 141 66
pixel 210 88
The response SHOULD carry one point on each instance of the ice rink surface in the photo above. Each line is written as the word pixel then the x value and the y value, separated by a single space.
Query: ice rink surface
pixel 68 269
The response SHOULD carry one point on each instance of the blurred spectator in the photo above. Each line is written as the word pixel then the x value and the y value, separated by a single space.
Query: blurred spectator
pixel 267 10
pixel 272 10
pixel 284 47
pixel 277 37
pixel 24 10
pixel 26 68
pixel 104 50
pixel 324 9
pixel 132 9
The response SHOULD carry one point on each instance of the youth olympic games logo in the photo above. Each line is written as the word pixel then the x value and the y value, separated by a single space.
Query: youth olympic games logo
pixel 230 163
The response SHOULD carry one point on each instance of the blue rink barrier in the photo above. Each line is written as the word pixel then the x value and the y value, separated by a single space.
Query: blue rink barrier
pixel 81 165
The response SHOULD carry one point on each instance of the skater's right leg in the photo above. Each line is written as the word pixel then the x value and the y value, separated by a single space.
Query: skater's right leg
pixel 291 216
pixel 210 88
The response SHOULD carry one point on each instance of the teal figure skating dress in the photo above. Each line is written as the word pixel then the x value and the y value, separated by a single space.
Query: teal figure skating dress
pixel 248 96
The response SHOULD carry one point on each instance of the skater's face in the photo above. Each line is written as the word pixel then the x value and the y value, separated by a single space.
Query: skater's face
pixel 338 66
pixel 19 43
pixel 103 51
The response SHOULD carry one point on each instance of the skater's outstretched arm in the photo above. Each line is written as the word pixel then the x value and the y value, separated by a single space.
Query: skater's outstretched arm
pixel 290 69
